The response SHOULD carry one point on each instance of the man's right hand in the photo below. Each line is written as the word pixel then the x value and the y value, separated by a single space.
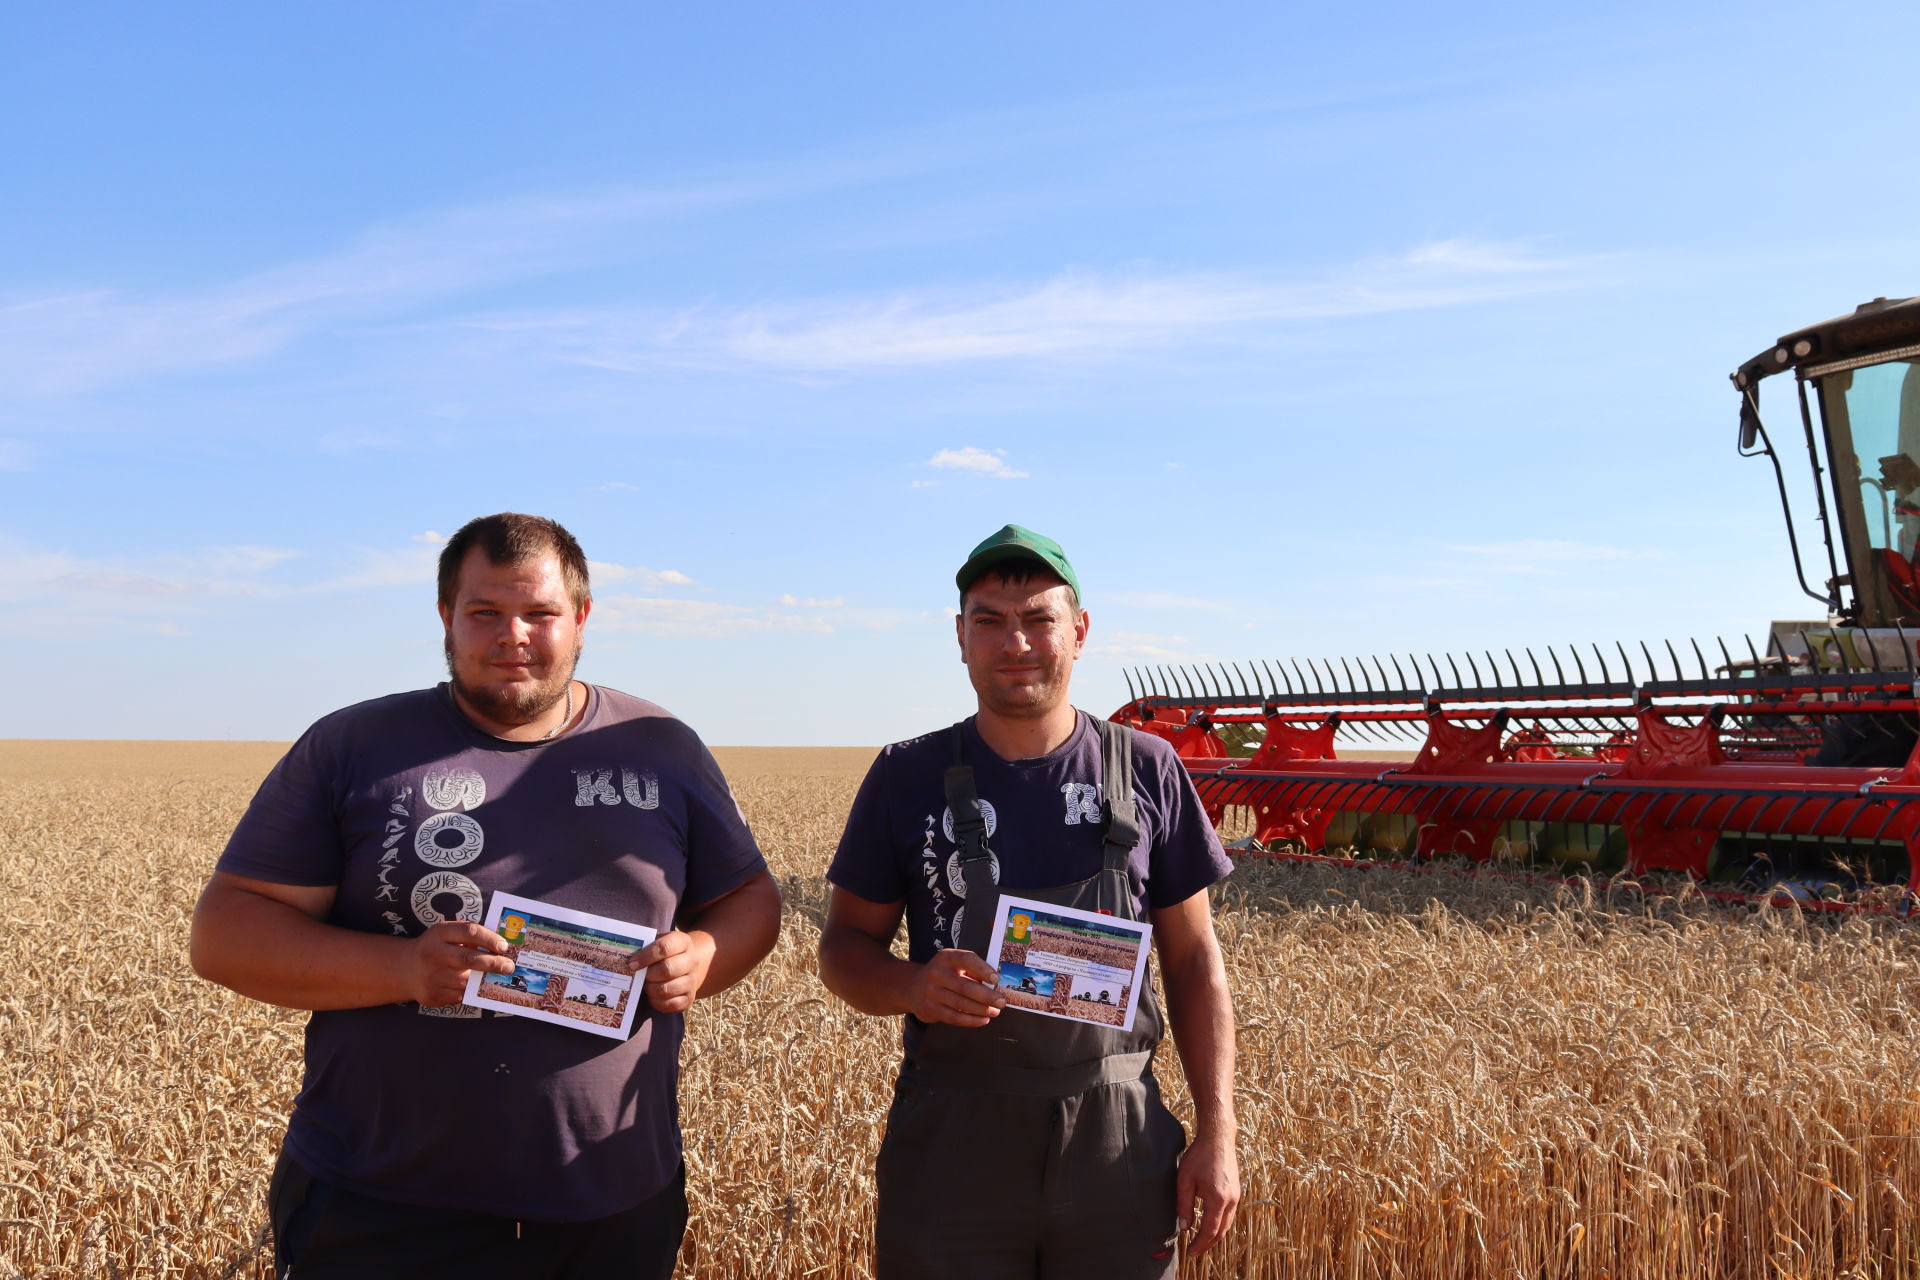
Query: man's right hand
pixel 445 954
pixel 957 987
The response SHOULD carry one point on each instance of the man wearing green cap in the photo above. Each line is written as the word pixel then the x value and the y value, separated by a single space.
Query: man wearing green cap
pixel 1021 1145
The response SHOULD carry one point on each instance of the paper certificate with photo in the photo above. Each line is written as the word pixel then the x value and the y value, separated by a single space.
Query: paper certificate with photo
pixel 569 967
pixel 1067 963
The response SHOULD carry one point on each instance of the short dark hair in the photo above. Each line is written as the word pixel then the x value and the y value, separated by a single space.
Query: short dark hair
pixel 512 538
pixel 1016 573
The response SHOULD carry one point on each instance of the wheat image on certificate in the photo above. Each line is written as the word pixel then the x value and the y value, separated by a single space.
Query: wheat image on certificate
pixel 1065 963
pixel 569 967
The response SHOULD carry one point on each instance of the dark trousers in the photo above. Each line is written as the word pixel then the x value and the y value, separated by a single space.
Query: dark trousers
pixel 323 1232
pixel 1000 1186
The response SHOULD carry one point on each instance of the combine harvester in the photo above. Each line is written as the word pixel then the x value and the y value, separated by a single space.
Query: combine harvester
pixel 1788 768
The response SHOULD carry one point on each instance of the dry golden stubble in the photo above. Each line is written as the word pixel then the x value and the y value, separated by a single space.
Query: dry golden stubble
pixel 1437 1077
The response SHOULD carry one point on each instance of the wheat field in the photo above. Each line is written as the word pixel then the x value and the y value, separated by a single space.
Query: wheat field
pixel 1437 1077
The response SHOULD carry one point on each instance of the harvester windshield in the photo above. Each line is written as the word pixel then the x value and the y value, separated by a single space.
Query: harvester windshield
pixel 1872 416
pixel 1861 370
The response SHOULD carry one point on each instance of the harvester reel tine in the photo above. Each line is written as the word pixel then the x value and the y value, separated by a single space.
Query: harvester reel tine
pixel 1606 676
pixel 1352 685
pixel 1573 651
pixel 1386 686
pixel 1706 799
pixel 1457 682
pixel 1893 811
pixel 1699 657
pixel 1571 796
pixel 1475 668
pixel 1853 819
pixel 1722 642
pixel 1900 632
pixel 1132 697
pixel 1401 675
pixel 1793 808
pixel 1560 675
pixel 1825 810
pixel 1678 674
pixel 1283 677
pixel 1751 651
pixel 1314 669
pixel 1240 680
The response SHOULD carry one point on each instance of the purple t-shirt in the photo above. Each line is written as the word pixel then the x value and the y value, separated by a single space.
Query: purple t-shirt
pixel 1043 827
pixel 417 816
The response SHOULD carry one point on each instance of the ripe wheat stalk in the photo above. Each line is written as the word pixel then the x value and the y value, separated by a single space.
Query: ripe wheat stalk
pixel 1436 1078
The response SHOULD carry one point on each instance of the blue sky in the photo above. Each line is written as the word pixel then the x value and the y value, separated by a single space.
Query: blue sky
pixel 1307 330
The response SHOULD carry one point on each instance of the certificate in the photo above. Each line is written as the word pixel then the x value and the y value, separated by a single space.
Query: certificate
pixel 1061 962
pixel 569 967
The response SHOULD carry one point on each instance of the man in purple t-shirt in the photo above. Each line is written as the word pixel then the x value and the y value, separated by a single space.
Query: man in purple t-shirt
pixel 1019 1145
pixel 430 1138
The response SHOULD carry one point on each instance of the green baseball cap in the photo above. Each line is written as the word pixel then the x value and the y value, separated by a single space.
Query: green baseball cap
pixel 1015 543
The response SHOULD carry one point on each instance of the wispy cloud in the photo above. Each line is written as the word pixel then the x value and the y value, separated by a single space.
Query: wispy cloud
pixel 1142 646
pixel 663 616
pixel 1545 556
pixel 105 586
pixel 377 568
pixel 638 575
pixel 75 339
pixel 812 602
pixel 1074 314
pixel 1173 601
pixel 977 461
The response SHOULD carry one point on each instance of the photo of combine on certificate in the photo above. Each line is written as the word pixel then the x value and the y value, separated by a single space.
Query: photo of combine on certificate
pixel 1066 963
pixel 569 967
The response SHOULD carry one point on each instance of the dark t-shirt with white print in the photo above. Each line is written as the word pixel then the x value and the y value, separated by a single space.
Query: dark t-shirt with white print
pixel 417 816
pixel 1043 827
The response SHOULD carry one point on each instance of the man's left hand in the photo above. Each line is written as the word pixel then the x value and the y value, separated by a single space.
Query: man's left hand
pixel 676 966
pixel 1209 1173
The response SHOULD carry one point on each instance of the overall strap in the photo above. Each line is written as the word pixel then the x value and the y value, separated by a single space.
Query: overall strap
pixel 969 822
pixel 1116 779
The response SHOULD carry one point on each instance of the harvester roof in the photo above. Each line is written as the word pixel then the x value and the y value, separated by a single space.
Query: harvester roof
pixel 1874 331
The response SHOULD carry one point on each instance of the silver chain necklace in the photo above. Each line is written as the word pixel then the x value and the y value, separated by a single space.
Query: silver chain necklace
pixel 563 719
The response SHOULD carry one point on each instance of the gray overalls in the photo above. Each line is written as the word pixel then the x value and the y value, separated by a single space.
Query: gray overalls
pixel 1033 1146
